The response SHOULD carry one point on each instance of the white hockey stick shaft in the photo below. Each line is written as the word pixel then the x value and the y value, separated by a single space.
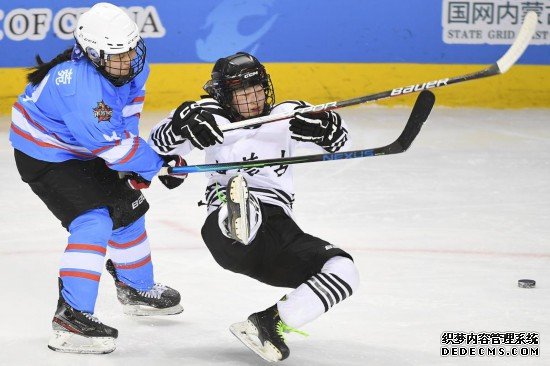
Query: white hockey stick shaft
pixel 500 67
pixel 521 42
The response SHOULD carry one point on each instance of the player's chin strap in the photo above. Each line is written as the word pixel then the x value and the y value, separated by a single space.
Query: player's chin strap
pixel 500 67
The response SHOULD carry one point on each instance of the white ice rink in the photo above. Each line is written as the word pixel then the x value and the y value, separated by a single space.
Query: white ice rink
pixel 441 234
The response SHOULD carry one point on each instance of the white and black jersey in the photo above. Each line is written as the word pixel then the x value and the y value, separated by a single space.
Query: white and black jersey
pixel 272 185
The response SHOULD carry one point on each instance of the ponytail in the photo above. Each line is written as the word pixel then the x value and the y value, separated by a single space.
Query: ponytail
pixel 41 69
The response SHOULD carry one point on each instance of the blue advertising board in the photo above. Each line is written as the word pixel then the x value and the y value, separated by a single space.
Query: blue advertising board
pixel 347 31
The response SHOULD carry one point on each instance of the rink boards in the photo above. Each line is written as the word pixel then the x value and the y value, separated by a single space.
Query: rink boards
pixel 524 86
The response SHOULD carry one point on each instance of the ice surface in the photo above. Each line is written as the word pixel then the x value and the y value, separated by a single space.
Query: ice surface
pixel 441 234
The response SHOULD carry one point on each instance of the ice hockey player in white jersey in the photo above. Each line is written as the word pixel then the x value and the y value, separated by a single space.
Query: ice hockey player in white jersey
pixel 73 130
pixel 250 228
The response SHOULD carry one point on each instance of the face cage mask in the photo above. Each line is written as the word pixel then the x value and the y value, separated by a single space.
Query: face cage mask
pixel 124 75
pixel 224 95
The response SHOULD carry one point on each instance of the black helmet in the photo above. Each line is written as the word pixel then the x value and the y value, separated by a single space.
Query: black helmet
pixel 236 72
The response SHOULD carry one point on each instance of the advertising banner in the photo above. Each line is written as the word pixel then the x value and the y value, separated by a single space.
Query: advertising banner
pixel 344 31
pixel 492 22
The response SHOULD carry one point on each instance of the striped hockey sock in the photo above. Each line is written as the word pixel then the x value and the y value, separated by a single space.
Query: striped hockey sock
pixel 337 281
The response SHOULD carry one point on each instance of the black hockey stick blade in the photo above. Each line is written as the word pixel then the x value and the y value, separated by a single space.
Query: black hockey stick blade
pixel 419 115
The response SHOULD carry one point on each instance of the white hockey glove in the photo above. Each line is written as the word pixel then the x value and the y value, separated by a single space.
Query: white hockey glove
pixel 193 123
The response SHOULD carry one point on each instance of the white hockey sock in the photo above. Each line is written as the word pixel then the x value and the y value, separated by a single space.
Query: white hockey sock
pixel 337 280
pixel 255 218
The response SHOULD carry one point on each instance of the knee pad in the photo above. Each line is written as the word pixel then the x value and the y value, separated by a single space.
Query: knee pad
pixel 337 281
pixel 343 271
pixel 96 224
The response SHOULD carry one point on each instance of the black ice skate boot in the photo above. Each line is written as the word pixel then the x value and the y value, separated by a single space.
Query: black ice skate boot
pixel 243 211
pixel 79 332
pixel 160 300
pixel 263 334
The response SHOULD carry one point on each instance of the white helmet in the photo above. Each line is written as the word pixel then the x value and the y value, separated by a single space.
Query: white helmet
pixel 106 30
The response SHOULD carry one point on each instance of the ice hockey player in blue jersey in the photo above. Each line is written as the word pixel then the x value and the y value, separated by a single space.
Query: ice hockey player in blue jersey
pixel 76 144
pixel 250 227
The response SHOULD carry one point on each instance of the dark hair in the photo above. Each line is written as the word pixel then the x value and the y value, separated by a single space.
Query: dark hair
pixel 41 69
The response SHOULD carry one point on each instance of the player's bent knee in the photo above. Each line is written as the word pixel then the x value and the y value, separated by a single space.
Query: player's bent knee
pixel 96 222
pixel 345 270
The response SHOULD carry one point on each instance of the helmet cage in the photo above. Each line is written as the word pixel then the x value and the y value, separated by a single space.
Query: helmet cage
pixel 118 72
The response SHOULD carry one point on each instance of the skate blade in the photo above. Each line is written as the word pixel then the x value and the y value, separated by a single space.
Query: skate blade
pixel 238 185
pixel 68 342
pixel 239 195
pixel 242 229
pixel 143 310
pixel 247 333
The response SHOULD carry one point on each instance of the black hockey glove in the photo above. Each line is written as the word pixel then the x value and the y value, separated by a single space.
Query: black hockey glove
pixel 172 181
pixel 192 122
pixel 134 180
pixel 322 128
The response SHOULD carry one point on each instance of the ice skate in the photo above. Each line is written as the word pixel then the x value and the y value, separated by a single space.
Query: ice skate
pixel 263 334
pixel 238 213
pixel 159 300
pixel 78 332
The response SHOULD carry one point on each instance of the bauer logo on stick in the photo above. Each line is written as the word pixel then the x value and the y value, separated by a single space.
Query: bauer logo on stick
pixel 419 87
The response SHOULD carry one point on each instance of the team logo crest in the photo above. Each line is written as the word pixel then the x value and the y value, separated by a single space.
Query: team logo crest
pixel 103 112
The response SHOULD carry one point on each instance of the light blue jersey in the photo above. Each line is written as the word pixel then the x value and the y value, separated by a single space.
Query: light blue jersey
pixel 75 113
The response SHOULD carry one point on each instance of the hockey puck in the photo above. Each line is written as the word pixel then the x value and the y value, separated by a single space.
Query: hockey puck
pixel 526 283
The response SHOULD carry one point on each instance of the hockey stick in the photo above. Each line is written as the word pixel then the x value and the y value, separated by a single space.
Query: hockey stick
pixel 420 112
pixel 500 67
